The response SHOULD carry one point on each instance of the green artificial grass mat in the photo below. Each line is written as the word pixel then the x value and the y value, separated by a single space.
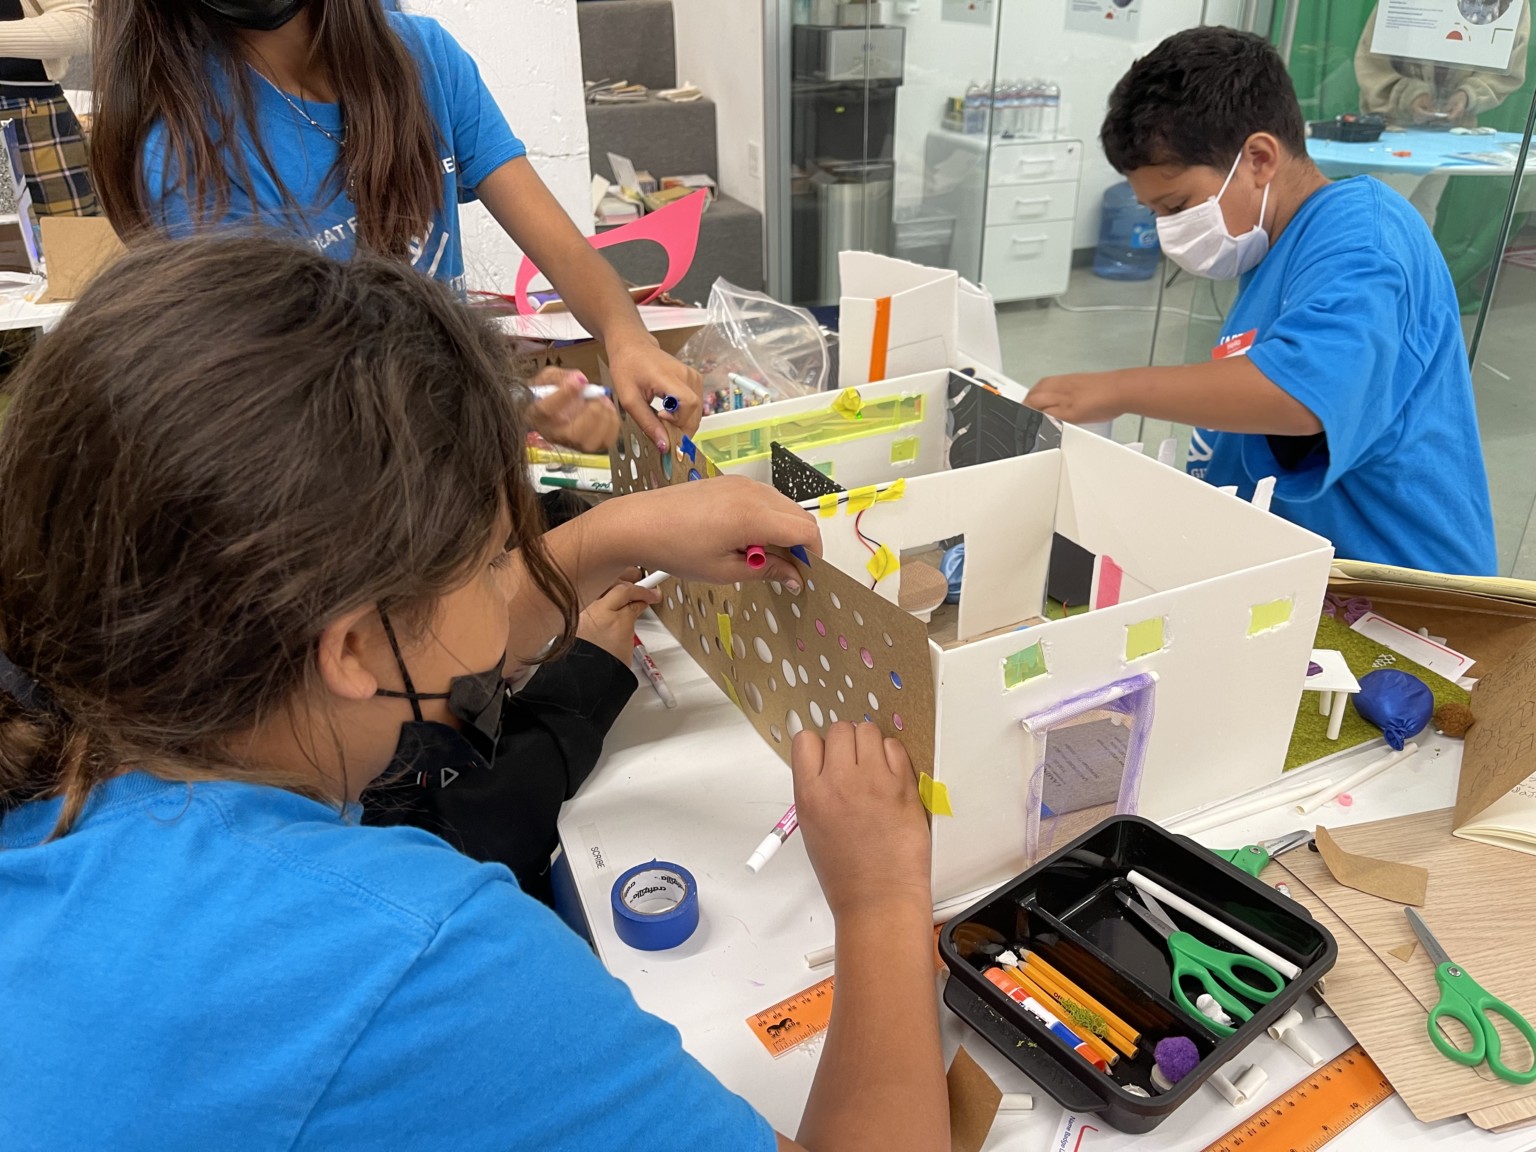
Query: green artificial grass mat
pixel 1309 739
pixel 1054 610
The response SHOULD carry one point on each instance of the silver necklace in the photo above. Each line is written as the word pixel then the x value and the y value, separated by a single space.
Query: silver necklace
pixel 339 141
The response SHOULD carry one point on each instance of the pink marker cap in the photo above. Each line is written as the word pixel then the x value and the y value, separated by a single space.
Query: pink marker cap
pixel 756 557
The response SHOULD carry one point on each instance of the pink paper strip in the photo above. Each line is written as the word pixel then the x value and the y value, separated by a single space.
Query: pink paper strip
pixel 1109 583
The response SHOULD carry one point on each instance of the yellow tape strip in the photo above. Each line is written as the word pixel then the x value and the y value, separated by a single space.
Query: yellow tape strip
pixel 730 690
pixel 829 504
pixel 723 622
pixel 934 795
pixel 860 499
pixel 896 491
pixel 883 563
pixel 849 404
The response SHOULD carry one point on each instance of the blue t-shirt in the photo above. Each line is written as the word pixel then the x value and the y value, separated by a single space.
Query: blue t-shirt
pixel 475 141
pixel 1353 313
pixel 230 966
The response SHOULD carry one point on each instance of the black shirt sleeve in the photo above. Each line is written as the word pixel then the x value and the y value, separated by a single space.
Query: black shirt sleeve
pixel 551 739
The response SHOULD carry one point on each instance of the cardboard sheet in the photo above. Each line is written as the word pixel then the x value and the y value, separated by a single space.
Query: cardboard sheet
pixel 1501 746
pixel 1400 883
pixel 1480 906
pixel 973 1103
pixel 76 248
pixel 837 651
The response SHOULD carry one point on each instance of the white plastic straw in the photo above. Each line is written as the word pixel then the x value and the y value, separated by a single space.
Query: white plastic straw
pixel 1228 933
pixel 943 912
pixel 1239 809
pixel 1355 779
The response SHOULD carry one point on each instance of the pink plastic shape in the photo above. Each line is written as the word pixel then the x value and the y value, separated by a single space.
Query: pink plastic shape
pixel 675 228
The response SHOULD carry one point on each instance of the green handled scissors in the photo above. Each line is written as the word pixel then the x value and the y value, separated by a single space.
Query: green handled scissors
pixel 1252 858
pixel 1220 973
pixel 1465 1001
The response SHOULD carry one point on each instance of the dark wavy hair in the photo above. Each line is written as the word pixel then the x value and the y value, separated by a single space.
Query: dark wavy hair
pixel 176 63
pixel 1196 97
pixel 225 445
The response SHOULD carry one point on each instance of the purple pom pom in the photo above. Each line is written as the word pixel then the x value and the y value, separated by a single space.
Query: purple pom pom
pixel 1176 1056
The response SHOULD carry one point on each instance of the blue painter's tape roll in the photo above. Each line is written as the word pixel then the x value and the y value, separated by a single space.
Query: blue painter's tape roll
pixel 655 906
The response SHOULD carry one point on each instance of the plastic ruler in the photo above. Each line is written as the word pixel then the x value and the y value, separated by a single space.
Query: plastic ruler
pixel 793 1021
pixel 1309 1114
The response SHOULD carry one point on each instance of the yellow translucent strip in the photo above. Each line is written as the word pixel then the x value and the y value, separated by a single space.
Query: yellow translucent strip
pixel 745 443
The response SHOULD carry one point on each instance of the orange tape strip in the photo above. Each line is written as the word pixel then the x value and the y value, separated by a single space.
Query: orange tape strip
pixel 880 345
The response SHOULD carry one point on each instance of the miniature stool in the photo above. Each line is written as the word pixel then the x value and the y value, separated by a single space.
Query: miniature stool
pixel 1333 685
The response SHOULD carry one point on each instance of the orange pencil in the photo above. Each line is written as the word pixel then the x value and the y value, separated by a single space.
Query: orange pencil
pixel 1111 1032
pixel 1034 962
pixel 1105 1052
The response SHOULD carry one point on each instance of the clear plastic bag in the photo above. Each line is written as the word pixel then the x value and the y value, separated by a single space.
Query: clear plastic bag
pixel 754 349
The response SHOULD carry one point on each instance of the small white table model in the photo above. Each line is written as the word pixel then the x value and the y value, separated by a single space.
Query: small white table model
pixel 1334 683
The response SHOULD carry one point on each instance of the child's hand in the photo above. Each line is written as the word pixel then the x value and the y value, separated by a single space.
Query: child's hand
pixel 642 372
pixel 863 824
pixel 609 621
pixel 567 419
pixel 702 530
pixel 1081 398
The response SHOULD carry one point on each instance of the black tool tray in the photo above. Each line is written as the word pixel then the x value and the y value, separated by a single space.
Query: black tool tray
pixel 1065 908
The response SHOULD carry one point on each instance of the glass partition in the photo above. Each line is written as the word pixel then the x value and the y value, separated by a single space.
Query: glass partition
pixel 963 134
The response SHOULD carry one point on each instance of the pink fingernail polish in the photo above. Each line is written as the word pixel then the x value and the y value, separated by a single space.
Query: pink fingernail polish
pixel 662 445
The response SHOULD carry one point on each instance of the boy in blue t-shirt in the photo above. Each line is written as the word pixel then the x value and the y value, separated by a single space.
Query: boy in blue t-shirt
pixel 1341 370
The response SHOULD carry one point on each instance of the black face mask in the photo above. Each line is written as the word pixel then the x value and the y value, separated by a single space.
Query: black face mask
pixel 435 754
pixel 257 15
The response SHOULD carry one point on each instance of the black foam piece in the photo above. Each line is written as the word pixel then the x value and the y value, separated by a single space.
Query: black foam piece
pixel 798 480
pixel 1070 580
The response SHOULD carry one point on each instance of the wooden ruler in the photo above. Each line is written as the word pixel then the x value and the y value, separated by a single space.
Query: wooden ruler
pixel 1308 1115
pixel 793 1021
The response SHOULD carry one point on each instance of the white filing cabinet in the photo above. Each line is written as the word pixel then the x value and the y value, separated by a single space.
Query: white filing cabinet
pixel 1014 205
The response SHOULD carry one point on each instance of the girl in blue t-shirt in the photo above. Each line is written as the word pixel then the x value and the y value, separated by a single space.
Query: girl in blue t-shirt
pixel 256 509
pixel 354 129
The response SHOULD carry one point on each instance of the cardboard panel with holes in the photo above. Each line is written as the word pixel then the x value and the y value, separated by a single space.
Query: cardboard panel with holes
pixel 1126 638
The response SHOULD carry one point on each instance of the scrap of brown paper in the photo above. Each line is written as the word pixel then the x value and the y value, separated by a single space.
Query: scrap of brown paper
pixel 973 1103
pixel 1403 883
pixel 1481 897
pixel 1405 953
pixel 1502 743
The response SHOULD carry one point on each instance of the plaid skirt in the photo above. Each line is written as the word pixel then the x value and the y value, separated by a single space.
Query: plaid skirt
pixel 54 155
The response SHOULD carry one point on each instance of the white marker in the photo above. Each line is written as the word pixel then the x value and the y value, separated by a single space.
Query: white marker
pixel 772 842
pixel 590 392
pixel 747 384
pixel 654 580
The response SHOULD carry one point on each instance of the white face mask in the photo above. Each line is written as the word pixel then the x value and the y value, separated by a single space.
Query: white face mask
pixel 1197 239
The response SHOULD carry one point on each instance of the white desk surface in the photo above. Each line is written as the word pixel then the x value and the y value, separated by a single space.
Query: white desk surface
pixel 696 786
pixel 16 311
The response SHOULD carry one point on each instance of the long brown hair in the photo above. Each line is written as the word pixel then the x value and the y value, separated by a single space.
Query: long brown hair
pixel 175 63
pixel 226 444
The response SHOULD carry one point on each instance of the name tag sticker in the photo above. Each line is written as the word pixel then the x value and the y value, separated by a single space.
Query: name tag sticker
pixel 1237 345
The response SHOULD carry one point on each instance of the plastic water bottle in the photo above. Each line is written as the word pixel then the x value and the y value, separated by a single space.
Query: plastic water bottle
pixel 1052 120
pixel 1034 101
pixel 1128 248
pixel 975 108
